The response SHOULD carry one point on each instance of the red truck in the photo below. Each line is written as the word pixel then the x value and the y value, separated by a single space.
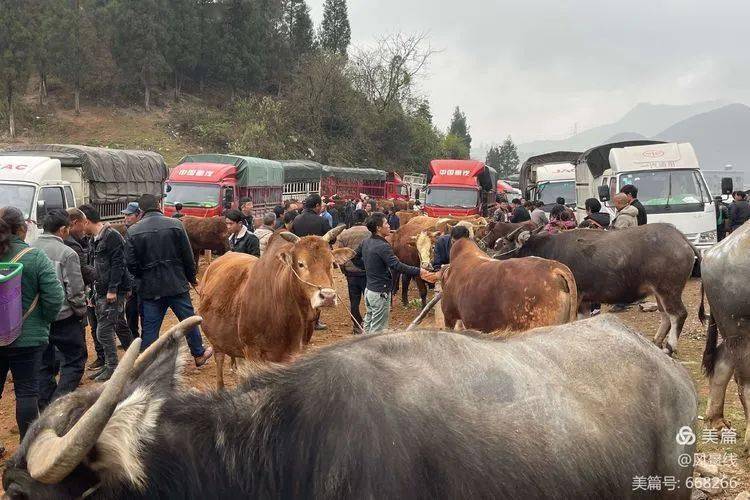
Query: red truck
pixel 208 184
pixel 460 187
pixel 304 177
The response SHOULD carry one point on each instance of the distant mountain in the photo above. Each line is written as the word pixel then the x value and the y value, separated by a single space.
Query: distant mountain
pixel 720 137
pixel 644 120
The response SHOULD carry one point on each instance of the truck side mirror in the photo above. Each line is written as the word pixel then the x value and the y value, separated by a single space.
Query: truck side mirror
pixel 228 198
pixel 169 188
pixel 727 186
pixel 41 212
pixel 603 193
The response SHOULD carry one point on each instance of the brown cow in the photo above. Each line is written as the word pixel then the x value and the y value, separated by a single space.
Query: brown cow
pixel 265 309
pixel 206 233
pixel 486 294
pixel 405 216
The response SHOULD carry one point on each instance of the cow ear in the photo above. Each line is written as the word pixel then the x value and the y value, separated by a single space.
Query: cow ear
pixel 523 237
pixel 286 258
pixel 343 255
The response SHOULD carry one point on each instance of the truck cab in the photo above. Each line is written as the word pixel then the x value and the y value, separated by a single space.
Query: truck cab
pixel 34 185
pixel 670 184
pixel 548 177
pixel 203 189
pixel 460 187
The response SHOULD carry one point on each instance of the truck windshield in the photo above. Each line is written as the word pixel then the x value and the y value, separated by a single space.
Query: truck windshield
pixel 663 191
pixel 193 195
pixel 549 192
pixel 18 196
pixel 452 197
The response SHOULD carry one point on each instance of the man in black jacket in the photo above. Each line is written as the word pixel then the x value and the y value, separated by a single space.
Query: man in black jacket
pixel 739 210
pixel 376 257
pixel 309 222
pixel 246 208
pixel 159 256
pixel 110 289
pixel 632 193
pixel 241 240
pixel 520 214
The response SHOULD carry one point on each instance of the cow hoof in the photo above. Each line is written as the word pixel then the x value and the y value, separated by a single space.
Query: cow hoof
pixel 667 349
pixel 717 423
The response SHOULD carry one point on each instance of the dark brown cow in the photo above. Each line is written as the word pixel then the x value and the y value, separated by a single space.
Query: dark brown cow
pixel 265 309
pixel 497 230
pixel 206 233
pixel 519 294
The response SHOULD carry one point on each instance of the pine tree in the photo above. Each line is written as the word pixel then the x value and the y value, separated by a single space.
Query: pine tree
pixel 494 159
pixel 139 40
pixel 241 52
pixel 298 27
pixel 454 147
pixel 335 32
pixel 508 159
pixel 182 50
pixel 459 127
pixel 16 42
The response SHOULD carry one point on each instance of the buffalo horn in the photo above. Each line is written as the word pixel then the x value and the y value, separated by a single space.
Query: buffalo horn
pixel 333 233
pixel 51 457
pixel 512 234
pixel 290 237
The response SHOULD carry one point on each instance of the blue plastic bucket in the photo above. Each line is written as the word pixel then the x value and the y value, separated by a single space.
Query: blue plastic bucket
pixel 11 306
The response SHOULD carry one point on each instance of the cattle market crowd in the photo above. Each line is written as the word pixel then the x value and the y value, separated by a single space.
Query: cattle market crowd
pixel 261 299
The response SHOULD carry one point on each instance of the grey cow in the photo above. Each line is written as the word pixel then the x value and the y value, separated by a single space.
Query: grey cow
pixel 725 271
pixel 578 411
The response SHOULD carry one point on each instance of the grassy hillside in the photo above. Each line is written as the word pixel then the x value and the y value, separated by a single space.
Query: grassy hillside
pixel 125 128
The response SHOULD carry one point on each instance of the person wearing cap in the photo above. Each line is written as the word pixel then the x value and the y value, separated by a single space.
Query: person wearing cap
pixel 133 311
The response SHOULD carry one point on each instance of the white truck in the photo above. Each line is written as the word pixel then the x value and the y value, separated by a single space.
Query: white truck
pixel 41 177
pixel 548 177
pixel 670 184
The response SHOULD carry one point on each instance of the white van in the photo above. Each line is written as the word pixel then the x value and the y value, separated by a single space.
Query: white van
pixel 34 185
pixel 670 184
pixel 548 177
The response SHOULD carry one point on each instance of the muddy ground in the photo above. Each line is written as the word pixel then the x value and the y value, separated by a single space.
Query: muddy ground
pixel 339 328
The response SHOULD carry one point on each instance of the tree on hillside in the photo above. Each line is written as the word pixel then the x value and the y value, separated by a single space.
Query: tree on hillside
pixel 508 159
pixel 298 27
pixel 44 16
pixel 460 128
pixel 454 147
pixel 182 49
pixel 208 35
pixel 240 54
pixel 15 54
pixel 385 74
pixel 335 33
pixel 138 41
pixel 494 159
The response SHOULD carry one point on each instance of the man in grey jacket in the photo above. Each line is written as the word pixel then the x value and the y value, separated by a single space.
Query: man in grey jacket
pixel 66 334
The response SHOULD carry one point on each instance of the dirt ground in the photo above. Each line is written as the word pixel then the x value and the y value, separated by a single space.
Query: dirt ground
pixel 339 328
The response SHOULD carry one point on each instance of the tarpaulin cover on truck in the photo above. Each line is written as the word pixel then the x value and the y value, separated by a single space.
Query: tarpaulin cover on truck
pixel 301 170
pixel 251 171
pixel 114 175
pixel 357 173
pixel 524 175
pixel 597 158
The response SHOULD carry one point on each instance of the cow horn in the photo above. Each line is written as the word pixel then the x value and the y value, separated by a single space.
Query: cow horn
pixel 333 233
pixel 290 237
pixel 51 457
pixel 512 234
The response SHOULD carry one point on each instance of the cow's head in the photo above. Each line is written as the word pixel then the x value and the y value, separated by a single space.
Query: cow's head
pixel 99 436
pixel 509 245
pixel 312 261
pixel 424 242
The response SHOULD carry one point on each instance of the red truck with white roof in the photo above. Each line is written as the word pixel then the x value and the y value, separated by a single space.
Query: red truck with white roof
pixel 460 187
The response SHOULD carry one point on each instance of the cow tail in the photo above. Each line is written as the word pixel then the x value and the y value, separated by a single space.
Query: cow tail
pixel 709 353
pixel 702 308
pixel 570 283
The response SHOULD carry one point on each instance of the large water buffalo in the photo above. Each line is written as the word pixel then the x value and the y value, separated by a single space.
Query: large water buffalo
pixel 725 271
pixel 394 415
pixel 518 294
pixel 265 309
pixel 497 230
pixel 619 267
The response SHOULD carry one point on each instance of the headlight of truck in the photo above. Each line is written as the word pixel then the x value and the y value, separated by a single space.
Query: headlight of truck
pixel 707 237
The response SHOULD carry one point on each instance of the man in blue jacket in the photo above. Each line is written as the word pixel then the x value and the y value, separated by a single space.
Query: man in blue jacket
pixel 376 257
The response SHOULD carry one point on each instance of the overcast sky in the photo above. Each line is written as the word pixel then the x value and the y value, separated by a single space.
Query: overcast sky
pixel 535 68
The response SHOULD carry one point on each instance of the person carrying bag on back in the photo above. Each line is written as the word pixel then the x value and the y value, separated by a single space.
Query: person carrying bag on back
pixel 42 297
